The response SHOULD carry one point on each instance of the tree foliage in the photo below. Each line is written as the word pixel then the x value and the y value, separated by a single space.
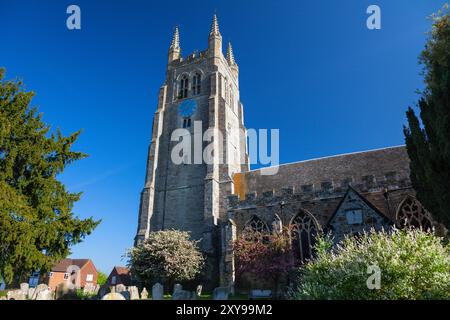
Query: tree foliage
pixel 413 264
pixel 101 278
pixel 37 225
pixel 429 146
pixel 166 256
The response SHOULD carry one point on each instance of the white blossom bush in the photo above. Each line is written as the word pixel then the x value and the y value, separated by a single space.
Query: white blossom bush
pixel 413 264
pixel 167 256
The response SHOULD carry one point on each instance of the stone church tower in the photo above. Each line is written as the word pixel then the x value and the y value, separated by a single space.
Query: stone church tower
pixel 200 93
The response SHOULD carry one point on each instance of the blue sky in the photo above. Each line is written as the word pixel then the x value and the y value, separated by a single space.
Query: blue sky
pixel 309 68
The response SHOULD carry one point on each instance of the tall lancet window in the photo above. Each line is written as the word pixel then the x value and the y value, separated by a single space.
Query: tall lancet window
pixel 196 84
pixel 304 231
pixel 184 84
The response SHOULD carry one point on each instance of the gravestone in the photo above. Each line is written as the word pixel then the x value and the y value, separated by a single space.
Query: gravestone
pixel 120 288
pixel 199 289
pixel 38 289
pixel 221 293
pixel 260 294
pixel 179 293
pixel 144 294
pixel 45 294
pixel 16 295
pixel 134 292
pixel 96 289
pixel 113 296
pixel 177 287
pixel 158 292
pixel 31 293
pixel 24 288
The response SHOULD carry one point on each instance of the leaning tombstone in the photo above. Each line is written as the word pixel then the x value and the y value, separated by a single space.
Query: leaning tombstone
pixel 158 292
pixel 39 288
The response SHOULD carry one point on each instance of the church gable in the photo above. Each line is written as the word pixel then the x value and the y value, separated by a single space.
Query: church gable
pixel 356 214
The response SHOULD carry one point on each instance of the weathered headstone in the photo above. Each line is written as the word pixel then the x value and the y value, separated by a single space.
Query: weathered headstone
pixel 31 293
pixel 199 289
pixel 24 288
pixel 180 294
pixel 158 292
pixel 113 296
pixel 16 295
pixel 134 292
pixel 96 289
pixel 39 288
pixel 221 293
pixel 177 287
pixel 144 294
pixel 120 287
pixel 46 294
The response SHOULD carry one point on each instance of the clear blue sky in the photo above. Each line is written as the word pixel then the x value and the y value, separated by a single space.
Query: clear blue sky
pixel 310 68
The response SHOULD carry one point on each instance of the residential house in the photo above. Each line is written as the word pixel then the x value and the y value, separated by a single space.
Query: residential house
pixel 78 271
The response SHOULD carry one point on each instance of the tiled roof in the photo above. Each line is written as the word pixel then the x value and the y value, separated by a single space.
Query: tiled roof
pixel 62 265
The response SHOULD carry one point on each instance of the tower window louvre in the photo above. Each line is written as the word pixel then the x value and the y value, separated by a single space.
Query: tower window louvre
pixel 196 84
pixel 184 84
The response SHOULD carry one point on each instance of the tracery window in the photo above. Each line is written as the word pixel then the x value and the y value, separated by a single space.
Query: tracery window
pixel 255 228
pixel 184 84
pixel 411 213
pixel 196 84
pixel 304 231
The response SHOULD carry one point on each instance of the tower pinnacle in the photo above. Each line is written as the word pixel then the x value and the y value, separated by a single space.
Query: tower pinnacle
pixel 175 39
pixel 214 26
pixel 175 50
pixel 230 55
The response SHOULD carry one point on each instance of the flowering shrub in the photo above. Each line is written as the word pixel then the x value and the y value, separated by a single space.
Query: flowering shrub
pixel 166 256
pixel 267 256
pixel 413 264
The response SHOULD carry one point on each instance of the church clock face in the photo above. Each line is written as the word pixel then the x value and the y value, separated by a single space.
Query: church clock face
pixel 187 108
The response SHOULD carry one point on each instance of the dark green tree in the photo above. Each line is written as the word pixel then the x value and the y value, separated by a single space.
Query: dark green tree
pixel 428 140
pixel 37 225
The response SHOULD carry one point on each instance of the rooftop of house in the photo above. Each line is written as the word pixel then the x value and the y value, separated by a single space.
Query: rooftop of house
pixel 62 265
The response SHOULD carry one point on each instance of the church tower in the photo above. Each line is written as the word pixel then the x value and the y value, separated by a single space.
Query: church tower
pixel 200 94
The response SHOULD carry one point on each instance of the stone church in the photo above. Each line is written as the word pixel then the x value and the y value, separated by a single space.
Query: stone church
pixel 216 202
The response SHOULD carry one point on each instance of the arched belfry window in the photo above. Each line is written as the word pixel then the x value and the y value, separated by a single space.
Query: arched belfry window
pixel 304 232
pixel 196 84
pixel 184 84
pixel 255 228
pixel 411 213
